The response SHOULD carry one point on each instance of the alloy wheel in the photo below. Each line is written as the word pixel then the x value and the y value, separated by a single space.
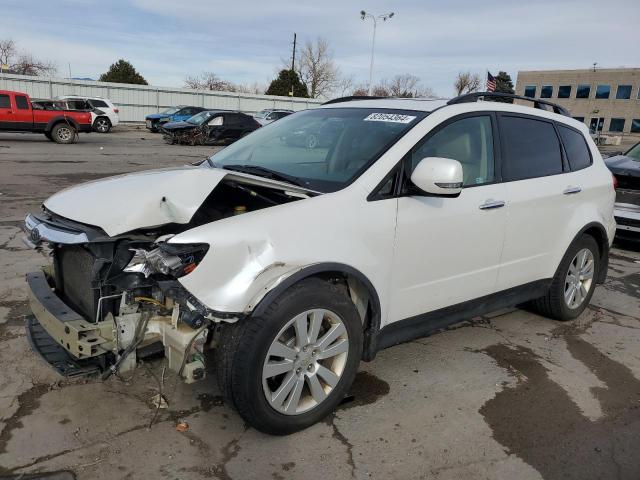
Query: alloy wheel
pixel 102 125
pixel 305 361
pixel 64 134
pixel 579 278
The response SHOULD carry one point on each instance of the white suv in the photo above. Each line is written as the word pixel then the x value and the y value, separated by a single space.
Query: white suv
pixel 295 264
pixel 102 122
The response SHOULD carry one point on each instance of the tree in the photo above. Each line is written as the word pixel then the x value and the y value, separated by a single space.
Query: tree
pixel 504 84
pixel 123 72
pixel 208 81
pixel 316 68
pixel 22 63
pixel 467 82
pixel 403 85
pixel 286 81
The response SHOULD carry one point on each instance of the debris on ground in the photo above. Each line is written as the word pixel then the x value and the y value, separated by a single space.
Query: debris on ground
pixel 182 427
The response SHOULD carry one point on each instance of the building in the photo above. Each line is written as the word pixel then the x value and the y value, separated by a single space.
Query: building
pixel 606 98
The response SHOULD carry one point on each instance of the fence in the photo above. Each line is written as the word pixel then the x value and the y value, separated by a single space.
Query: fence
pixel 136 101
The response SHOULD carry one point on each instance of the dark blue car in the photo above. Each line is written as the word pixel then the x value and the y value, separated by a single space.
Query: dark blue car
pixel 173 114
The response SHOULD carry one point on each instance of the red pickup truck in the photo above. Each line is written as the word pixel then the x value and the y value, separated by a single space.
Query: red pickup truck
pixel 17 114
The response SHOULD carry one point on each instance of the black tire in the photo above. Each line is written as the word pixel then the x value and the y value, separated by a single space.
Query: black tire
pixel 48 135
pixel 553 304
pixel 102 125
pixel 64 133
pixel 244 345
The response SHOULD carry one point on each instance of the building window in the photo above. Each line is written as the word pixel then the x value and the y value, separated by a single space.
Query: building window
pixel 603 91
pixel 564 91
pixel 580 119
pixel 635 125
pixel 530 91
pixel 546 91
pixel 583 91
pixel 616 125
pixel 624 92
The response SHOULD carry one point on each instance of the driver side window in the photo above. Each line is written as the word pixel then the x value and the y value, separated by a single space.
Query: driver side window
pixel 468 140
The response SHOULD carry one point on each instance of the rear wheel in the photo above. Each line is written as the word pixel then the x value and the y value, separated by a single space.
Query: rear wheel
pixel 292 366
pixel 102 125
pixel 63 133
pixel 574 282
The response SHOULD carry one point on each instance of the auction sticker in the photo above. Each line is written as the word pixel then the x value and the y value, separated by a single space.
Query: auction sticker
pixel 389 117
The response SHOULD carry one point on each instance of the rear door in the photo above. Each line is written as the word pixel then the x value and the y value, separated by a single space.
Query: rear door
pixel 540 197
pixel 22 114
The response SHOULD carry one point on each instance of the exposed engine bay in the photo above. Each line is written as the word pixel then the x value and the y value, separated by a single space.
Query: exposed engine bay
pixel 109 300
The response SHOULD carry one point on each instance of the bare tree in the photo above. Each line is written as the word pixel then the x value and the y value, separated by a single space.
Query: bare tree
pixel 467 82
pixel 402 86
pixel 344 86
pixel 208 81
pixel 316 68
pixel 22 63
pixel 8 51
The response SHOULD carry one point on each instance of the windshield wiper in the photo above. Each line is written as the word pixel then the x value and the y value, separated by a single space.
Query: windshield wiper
pixel 264 172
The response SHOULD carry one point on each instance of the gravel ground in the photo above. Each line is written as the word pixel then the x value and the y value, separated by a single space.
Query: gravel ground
pixel 508 395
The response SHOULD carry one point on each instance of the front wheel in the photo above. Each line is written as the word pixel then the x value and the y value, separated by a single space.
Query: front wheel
pixel 63 133
pixel 574 282
pixel 291 367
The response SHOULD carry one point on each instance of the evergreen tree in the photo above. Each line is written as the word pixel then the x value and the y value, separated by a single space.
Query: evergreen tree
pixel 283 84
pixel 123 72
pixel 504 84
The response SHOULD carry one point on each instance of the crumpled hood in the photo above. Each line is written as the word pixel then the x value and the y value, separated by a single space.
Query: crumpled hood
pixel 623 165
pixel 156 116
pixel 178 126
pixel 137 200
pixel 147 199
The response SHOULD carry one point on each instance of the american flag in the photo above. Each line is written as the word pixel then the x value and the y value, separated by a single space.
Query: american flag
pixel 491 82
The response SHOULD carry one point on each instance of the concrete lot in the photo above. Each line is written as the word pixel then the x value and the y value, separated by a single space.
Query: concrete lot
pixel 510 395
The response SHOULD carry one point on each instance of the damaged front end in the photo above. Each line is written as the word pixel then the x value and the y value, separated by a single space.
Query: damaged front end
pixel 105 301
pixel 112 295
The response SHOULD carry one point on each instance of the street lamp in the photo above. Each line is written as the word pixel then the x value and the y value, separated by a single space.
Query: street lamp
pixel 384 17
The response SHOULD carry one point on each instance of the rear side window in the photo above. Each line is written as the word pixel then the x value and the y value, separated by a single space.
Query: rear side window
pixel 98 104
pixel 4 101
pixel 22 102
pixel 530 148
pixel 576 147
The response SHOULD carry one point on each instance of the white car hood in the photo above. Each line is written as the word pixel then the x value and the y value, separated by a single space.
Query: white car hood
pixel 146 199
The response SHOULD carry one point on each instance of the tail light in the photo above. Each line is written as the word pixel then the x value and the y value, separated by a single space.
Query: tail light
pixel 116 110
pixel 615 181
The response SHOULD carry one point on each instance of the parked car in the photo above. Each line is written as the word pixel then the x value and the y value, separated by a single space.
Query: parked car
pixel 17 114
pixel 264 117
pixel 626 168
pixel 174 114
pixel 320 134
pixel 295 264
pixel 210 127
pixel 104 115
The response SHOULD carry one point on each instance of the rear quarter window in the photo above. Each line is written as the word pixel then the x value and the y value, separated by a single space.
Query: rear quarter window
pixel 98 104
pixel 530 148
pixel 576 148
pixel 4 101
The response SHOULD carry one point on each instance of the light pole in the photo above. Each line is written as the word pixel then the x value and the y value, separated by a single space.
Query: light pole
pixel 384 17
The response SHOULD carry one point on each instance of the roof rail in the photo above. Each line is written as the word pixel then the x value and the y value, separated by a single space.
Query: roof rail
pixel 537 103
pixel 351 98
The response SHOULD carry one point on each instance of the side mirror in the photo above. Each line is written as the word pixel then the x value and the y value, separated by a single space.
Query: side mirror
pixel 438 176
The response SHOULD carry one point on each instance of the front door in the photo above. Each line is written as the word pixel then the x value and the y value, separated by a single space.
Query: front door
pixel 448 250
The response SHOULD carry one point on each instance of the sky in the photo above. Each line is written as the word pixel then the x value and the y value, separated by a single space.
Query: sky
pixel 246 41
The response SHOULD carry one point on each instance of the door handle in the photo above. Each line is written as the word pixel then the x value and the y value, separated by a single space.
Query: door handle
pixel 490 204
pixel 571 190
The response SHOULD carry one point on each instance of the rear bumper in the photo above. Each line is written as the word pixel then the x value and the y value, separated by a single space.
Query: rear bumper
pixel 627 217
pixel 79 337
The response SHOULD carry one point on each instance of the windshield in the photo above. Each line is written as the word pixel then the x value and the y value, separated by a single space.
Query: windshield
pixel 323 149
pixel 170 111
pixel 201 118
pixel 634 152
pixel 261 114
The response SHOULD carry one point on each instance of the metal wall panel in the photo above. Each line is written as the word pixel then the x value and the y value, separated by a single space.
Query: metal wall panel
pixel 136 101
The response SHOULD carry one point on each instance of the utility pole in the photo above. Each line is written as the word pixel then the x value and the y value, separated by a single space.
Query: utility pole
pixel 293 63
